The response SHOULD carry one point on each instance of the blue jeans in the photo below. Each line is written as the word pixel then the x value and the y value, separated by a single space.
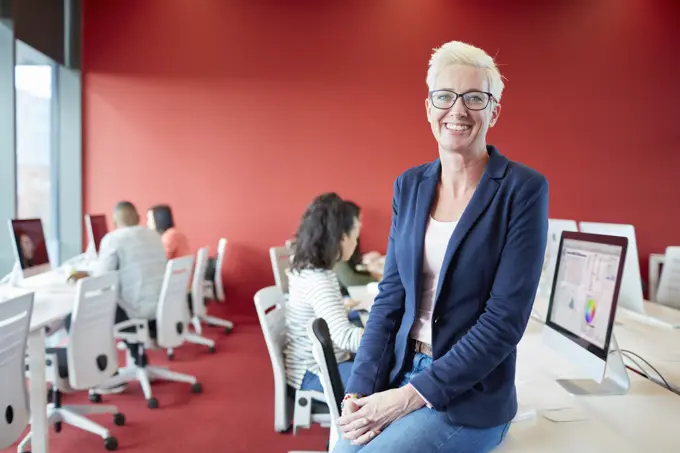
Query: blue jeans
pixel 427 431
pixel 311 381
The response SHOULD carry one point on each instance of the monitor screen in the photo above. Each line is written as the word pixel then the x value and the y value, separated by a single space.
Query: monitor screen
pixel 97 229
pixel 585 289
pixel 30 248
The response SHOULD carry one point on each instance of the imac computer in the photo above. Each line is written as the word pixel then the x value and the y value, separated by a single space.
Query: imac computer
pixel 555 229
pixel 96 230
pixel 30 247
pixel 580 319
pixel 631 298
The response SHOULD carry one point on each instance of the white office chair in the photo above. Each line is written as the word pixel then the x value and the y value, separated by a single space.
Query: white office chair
pixel 269 304
pixel 171 326
pixel 279 257
pixel 668 292
pixel 215 289
pixel 89 359
pixel 333 389
pixel 15 320
pixel 198 296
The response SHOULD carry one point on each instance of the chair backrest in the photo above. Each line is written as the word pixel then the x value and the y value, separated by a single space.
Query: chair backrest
pixel 322 348
pixel 280 263
pixel 219 284
pixel 15 321
pixel 669 284
pixel 173 312
pixel 91 354
pixel 197 286
pixel 271 311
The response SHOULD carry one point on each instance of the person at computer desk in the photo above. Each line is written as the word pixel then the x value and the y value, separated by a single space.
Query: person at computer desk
pixel 176 244
pixel 349 272
pixel 436 366
pixel 327 233
pixel 138 255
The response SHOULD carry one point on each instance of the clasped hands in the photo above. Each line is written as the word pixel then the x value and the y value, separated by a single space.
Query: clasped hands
pixel 364 418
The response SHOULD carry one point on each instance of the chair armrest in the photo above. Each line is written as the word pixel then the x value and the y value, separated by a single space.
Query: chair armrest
pixel 140 334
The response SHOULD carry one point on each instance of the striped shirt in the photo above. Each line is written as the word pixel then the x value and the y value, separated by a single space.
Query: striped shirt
pixel 315 293
pixel 138 255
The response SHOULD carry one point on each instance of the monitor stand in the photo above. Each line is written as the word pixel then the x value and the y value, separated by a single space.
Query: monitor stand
pixel 614 382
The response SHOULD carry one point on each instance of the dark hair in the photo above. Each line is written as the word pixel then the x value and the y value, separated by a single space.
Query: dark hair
pixel 318 240
pixel 354 260
pixel 162 217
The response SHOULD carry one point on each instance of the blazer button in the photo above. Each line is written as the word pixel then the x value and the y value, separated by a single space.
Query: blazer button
pixel 436 320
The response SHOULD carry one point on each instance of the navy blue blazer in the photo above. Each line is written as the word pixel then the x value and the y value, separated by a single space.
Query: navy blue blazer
pixel 486 290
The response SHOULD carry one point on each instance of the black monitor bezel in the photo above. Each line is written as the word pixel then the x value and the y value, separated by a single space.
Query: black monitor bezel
pixel 620 241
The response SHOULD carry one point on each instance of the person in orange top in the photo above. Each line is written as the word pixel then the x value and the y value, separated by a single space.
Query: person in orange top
pixel 176 244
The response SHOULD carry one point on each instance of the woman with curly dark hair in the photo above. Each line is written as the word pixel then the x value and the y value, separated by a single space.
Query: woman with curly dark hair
pixel 327 234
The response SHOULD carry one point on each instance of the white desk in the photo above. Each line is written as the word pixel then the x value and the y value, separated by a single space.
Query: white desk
pixel 49 305
pixel 644 420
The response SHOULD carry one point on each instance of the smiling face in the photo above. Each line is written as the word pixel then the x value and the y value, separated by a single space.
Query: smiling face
pixel 459 129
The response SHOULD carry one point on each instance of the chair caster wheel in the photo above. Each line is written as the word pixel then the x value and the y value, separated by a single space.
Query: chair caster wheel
pixel 171 356
pixel 197 388
pixel 57 427
pixel 111 443
pixel 50 395
pixel 227 330
pixel 119 419
pixel 152 403
pixel 95 398
pixel 212 349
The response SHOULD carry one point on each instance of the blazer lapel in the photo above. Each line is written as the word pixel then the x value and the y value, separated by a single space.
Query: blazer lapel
pixel 426 189
pixel 485 193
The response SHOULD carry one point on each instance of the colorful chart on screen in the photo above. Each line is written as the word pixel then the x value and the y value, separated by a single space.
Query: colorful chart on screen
pixel 590 311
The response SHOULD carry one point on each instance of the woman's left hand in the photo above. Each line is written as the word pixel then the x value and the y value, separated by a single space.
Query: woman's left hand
pixel 377 411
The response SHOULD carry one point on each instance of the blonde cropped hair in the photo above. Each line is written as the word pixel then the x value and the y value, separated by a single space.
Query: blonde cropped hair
pixel 457 52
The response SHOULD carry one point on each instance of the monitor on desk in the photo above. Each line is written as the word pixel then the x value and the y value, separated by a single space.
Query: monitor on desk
pixel 30 246
pixel 96 229
pixel 555 229
pixel 631 297
pixel 583 302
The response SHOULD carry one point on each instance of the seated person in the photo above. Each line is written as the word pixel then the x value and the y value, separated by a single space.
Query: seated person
pixel 327 234
pixel 138 255
pixel 176 244
pixel 347 271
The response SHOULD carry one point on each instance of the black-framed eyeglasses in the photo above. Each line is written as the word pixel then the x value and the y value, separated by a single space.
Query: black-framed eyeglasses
pixel 473 100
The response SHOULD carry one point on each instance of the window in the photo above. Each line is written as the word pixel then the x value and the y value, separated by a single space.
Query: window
pixel 36 163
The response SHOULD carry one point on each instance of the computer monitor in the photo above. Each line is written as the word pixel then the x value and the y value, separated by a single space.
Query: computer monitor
pixel 631 297
pixel 580 319
pixel 555 229
pixel 96 229
pixel 30 246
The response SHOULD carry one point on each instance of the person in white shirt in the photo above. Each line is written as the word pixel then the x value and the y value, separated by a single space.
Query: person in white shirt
pixel 327 234
pixel 137 253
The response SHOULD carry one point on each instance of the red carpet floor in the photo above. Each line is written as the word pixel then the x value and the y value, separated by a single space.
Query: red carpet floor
pixel 234 414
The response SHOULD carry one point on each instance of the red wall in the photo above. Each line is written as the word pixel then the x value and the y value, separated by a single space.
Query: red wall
pixel 238 113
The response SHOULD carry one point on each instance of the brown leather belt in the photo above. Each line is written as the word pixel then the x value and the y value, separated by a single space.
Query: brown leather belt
pixel 423 348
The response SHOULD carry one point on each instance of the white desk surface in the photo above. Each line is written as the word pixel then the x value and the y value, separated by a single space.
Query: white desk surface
pixel 644 420
pixel 48 305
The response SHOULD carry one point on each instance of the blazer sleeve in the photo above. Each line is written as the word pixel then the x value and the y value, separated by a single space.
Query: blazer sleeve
pixel 371 368
pixel 500 328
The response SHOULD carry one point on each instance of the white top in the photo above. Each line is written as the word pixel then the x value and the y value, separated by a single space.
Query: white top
pixel 437 238
pixel 315 293
pixel 137 253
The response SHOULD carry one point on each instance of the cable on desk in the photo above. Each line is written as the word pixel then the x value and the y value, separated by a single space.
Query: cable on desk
pixel 631 353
